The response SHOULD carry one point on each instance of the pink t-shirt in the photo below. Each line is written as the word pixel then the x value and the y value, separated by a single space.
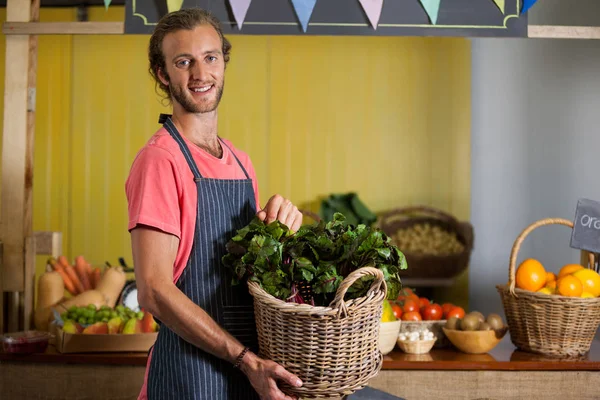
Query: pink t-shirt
pixel 161 191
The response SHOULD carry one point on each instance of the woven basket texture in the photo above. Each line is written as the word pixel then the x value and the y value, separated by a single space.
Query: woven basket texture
pixel 552 325
pixel 333 350
pixel 425 265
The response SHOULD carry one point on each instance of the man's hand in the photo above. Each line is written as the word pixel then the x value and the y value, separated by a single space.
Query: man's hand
pixel 281 209
pixel 263 376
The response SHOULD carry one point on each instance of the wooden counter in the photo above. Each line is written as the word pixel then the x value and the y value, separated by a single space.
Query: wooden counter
pixel 504 372
pixel 504 357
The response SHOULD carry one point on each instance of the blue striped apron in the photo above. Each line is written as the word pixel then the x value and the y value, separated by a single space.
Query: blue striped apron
pixel 178 369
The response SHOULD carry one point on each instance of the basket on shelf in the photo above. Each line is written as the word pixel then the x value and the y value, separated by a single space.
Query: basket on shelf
pixel 552 325
pixel 429 265
pixel 333 350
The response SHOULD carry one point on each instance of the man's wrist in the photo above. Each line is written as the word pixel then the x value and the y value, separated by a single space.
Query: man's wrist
pixel 248 362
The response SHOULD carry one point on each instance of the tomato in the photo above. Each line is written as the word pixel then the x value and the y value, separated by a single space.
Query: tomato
pixel 457 312
pixel 412 316
pixel 397 310
pixel 445 308
pixel 432 312
pixel 407 294
pixel 423 302
pixel 410 306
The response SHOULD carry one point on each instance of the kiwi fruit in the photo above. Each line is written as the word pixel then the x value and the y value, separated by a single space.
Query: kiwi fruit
pixel 495 321
pixel 470 322
pixel 484 326
pixel 453 323
pixel 479 315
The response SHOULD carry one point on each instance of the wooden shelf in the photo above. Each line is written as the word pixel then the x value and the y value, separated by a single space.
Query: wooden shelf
pixel 63 28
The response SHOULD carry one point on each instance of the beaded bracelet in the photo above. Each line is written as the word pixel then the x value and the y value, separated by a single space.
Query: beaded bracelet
pixel 239 358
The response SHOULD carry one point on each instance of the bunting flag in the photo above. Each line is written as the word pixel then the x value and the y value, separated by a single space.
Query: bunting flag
pixel 432 7
pixel 527 4
pixel 239 8
pixel 106 4
pixel 304 9
pixel 173 5
pixel 373 10
pixel 500 4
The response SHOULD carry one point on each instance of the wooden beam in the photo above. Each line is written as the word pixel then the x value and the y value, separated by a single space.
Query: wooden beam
pixel 63 28
pixel 17 161
pixel 29 293
pixel 14 151
pixel 563 32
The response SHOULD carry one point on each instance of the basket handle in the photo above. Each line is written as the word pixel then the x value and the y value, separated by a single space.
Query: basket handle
pixel 517 245
pixel 377 285
pixel 395 214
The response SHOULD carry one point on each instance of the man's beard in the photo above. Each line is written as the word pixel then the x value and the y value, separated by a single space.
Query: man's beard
pixel 186 100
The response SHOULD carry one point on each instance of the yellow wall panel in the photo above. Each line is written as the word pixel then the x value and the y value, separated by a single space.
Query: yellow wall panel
pixel 386 117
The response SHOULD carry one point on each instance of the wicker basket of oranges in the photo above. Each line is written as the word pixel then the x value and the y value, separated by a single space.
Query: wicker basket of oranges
pixel 554 315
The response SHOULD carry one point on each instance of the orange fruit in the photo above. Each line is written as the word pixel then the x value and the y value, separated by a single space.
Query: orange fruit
pixel 569 269
pixel 587 295
pixel 569 286
pixel 551 285
pixel 550 277
pixel 531 275
pixel 590 280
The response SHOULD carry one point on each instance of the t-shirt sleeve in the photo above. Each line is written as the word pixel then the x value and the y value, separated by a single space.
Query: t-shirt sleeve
pixel 153 191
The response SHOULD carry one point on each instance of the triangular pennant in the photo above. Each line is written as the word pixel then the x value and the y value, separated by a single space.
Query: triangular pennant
pixel 527 4
pixel 174 5
pixel 500 4
pixel 373 10
pixel 240 8
pixel 304 9
pixel 432 7
pixel 107 3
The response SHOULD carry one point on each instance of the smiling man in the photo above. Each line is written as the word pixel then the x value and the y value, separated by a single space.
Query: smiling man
pixel 188 191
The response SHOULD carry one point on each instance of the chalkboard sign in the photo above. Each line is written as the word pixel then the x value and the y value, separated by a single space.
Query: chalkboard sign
pixel 586 230
pixel 463 18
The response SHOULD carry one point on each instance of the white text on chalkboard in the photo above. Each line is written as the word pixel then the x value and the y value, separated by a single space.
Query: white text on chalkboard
pixel 588 221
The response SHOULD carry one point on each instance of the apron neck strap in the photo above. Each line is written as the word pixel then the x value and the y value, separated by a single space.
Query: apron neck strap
pixel 167 122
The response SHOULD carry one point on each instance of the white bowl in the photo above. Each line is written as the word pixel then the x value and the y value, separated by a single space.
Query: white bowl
pixel 388 334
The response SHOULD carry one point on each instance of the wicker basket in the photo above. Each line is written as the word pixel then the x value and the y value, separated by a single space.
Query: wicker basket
pixel 430 266
pixel 333 350
pixel 552 325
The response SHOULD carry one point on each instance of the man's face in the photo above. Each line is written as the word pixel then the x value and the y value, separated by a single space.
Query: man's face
pixel 195 68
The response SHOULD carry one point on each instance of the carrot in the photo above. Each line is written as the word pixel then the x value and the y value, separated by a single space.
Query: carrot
pixel 70 271
pixel 69 285
pixel 82 273
pixel 62 261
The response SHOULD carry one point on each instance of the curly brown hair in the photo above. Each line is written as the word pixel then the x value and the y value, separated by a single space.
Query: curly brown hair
pixel 189 19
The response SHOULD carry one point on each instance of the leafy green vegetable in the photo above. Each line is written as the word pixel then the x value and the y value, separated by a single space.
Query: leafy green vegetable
pixel 308 266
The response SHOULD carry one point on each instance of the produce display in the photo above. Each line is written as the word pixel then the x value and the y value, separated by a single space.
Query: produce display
pixel 427 239
pixel 410 307
pixel 63 286
pixel 573 280
pixel 476 321
pixel 106 320
pixel 425 334
pixel 309 265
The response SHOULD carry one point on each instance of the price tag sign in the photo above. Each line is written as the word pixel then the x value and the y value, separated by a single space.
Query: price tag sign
pixel 586 230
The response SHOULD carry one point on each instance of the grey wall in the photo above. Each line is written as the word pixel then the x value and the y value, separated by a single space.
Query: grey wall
pixel 535 144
